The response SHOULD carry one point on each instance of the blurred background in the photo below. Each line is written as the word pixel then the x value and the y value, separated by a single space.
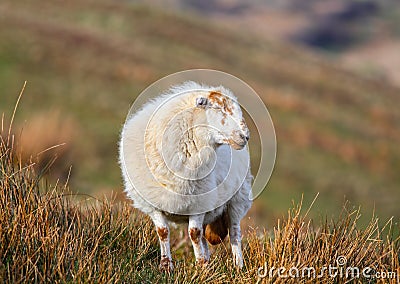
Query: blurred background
pixel 328 71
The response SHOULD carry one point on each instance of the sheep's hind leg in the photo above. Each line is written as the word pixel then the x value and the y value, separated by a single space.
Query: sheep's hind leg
pixel 196 235
pixel 206 249
pixel 162 229
pixel 236 243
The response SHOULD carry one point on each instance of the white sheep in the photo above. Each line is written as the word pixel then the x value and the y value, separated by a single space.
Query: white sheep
pixel 178 166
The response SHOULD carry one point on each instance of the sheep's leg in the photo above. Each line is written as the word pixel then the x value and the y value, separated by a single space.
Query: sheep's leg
pixel 236 242
pixel 162 229
pixel 206 249
pixel 196 235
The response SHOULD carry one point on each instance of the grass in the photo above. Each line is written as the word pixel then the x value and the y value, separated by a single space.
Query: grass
pixel 87 60
pixel 48 235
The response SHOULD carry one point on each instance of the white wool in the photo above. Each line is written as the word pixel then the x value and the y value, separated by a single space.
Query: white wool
pixel 159 149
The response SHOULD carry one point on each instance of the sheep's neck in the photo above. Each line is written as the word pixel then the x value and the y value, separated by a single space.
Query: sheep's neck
pixel 190 145
pixel 194 148
pixel 191 151
pixel 184 150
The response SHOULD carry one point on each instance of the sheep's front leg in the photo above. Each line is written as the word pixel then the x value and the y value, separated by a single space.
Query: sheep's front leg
pixel 162 229
pixel 236 243
pixel 196 235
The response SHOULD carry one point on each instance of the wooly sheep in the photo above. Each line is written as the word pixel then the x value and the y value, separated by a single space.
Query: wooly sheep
pixel 184 159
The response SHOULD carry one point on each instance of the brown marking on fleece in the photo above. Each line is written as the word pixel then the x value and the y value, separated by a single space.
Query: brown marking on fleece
pixel 216 98
pixel 223 120
pixel 195 235
pixel 216 232
pixel 162 232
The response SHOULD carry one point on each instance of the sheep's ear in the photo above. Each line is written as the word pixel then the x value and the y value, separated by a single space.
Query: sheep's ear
pixel 201 102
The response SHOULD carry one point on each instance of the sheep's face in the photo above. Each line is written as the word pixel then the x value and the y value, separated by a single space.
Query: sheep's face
pixel 225 120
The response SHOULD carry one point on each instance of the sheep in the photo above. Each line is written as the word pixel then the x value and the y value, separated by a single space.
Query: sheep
pixel 184 159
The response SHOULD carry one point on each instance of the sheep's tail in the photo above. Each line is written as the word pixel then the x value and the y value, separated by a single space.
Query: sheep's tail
pixel 216 232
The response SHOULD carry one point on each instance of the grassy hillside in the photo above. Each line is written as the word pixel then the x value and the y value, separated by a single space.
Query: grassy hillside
pixel 86 61
pixel 363 36
pixel 48 237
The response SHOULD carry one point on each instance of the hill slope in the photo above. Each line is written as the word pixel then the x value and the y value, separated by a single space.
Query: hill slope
pixel 337 134
pixel 103 242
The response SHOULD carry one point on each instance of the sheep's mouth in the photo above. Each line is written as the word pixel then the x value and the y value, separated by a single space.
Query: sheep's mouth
pixel 237 145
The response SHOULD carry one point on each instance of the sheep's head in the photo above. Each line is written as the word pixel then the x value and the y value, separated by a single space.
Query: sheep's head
pixel 224 116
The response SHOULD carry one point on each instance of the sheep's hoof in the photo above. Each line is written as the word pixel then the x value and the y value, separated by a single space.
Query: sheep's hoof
pixel 238 263
pixel 166 265
pixel 202 262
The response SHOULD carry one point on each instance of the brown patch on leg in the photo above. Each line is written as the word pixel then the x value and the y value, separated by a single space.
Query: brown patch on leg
pixel 195 235
pixel 162 232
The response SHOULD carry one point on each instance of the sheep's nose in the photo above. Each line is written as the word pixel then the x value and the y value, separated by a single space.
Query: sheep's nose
pixel 244 137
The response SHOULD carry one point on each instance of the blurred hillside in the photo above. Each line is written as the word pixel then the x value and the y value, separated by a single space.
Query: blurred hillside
pixel 363 36
pixel 86 61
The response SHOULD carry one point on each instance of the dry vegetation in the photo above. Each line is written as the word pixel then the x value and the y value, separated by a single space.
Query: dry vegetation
pixel 49 236
pixel 337 134
pixel 53 144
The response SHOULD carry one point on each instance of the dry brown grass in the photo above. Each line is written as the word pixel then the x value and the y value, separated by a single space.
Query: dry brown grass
pixel 48 138
pixel 45 142
pixel 337 134
pixel 49 236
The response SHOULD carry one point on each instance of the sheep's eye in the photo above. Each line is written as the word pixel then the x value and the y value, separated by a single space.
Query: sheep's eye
pixel 201 102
